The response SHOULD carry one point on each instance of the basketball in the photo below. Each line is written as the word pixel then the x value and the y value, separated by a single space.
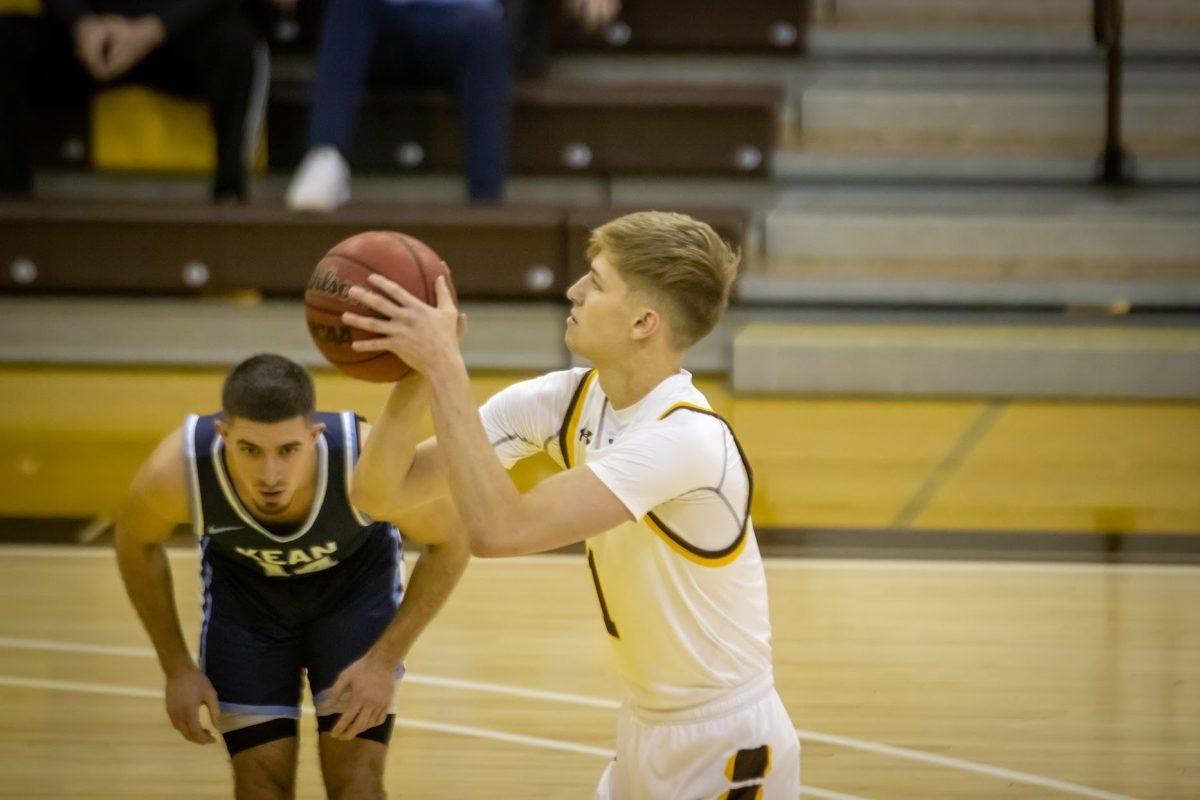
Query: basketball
pixel 403 259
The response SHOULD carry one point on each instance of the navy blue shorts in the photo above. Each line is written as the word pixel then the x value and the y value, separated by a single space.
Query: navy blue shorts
pixel 260 633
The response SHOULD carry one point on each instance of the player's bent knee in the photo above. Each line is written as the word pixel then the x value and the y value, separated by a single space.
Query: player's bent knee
pixel 266 771
pixel 357 787
pixel 353 769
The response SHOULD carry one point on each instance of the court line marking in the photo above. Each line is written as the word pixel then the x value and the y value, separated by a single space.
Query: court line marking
pixel 949 464
pixel 962 764
pixel 418 724
pixel 16 681
pixel 771 562
pixel 19 643
pixel 600 702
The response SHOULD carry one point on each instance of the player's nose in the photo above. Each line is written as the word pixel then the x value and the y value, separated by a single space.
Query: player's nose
pixel 272 474
pixel 574 294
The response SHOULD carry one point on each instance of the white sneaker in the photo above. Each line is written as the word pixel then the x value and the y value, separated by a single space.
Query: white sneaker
pixel 321 182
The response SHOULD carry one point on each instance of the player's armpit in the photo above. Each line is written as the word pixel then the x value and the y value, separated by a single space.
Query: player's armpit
pixel 561 510
pixel 158 496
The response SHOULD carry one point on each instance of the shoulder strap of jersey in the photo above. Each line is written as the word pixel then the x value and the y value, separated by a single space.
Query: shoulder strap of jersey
pixel 566 442
pixel 351 447
pixel 190 458
pixel 707 558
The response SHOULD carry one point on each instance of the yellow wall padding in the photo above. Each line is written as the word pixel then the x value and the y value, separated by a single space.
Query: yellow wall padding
pixel 137 128
pixel 30 7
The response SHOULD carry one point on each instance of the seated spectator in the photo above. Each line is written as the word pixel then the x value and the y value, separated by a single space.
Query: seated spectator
pixel 461 45
pixel 204 48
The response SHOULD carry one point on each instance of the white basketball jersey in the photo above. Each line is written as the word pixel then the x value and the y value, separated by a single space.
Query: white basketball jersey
pixel 682 589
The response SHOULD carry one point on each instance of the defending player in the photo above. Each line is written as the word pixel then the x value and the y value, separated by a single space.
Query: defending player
pixel 653 480
pixel 295 578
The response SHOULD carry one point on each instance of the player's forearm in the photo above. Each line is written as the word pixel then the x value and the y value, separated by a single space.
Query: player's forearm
pixel 377 485
pixel 147 577
pixel 484 495
pixel 433 579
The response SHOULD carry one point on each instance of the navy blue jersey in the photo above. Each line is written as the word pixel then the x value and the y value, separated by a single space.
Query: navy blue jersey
pixel 329 535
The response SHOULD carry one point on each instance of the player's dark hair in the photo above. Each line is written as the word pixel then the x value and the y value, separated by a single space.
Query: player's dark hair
pixel 268 388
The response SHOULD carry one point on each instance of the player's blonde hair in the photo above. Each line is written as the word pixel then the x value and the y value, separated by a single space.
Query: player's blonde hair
pixel 680 261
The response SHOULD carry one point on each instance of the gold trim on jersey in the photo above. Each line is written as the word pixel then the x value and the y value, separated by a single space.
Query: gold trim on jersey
pixel 690 552
pixel 566 437
pixel 707 558
pixel 744 768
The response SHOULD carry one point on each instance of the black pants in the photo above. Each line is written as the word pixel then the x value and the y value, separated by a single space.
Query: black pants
pixel 221 59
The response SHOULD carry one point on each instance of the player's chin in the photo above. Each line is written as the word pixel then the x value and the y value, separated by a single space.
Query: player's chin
pixel 571 339
pixel 272 502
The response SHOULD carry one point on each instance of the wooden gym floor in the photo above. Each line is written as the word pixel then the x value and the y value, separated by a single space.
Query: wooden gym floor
pixel 907 679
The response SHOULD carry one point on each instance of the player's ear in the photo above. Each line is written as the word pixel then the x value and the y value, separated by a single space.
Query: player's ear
pixel 647 323
pixel 222 427
pixel 316 429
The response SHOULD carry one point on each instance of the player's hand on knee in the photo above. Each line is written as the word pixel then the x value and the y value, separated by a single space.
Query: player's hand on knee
pixel 364 693
pixel 187 690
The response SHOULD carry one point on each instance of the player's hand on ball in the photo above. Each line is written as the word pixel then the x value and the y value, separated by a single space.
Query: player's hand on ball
pixel 421 335
pixel 364 693
pixel 187 690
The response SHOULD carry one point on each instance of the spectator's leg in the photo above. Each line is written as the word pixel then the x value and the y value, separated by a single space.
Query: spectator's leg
pixel 484 87
pixel 223 59
pixel 36 61
pixel 343 60
pixel 466 46
pixel 236 89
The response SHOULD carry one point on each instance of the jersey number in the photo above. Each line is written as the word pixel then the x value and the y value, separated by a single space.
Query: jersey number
pixel 609 625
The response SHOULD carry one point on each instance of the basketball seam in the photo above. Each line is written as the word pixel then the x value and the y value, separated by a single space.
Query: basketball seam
pixel 420 267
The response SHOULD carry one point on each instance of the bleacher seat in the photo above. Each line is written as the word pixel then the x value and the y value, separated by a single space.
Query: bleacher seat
pixel 529 253
pixel 583 128
pixel 763 25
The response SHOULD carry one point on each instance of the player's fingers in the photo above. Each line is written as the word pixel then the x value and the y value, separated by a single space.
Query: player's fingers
pixel 375 301
pixel 372 324
pixel 380 717
pixel 393 290
pixel 366 720
pixel 444 298
pixel 345 722
pixel 192 730
pixel 371 345
pixel 214 707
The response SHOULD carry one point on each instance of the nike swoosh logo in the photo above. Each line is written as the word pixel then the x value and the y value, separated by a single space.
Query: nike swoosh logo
pixel 213 529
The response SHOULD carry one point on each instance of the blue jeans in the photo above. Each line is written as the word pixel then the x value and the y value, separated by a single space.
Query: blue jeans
pixel 462 47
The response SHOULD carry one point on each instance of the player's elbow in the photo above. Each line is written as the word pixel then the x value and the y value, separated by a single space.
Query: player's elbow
pixel 490 541
pixel 505 533
pixel 484 546
pixel 369 500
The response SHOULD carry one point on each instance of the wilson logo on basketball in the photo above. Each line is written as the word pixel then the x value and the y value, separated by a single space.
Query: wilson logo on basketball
pixel 331 334
pixel 323 280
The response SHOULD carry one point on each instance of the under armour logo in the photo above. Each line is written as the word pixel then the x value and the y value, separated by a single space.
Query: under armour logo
pixel 585 436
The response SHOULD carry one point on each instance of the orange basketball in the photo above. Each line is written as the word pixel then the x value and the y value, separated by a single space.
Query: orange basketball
pixel 405 260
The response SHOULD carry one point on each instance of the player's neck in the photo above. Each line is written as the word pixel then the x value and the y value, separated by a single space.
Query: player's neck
pixel 628 381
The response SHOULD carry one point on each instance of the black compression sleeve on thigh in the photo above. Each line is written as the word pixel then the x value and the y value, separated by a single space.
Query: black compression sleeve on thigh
pixel 381 733
pixel 263 732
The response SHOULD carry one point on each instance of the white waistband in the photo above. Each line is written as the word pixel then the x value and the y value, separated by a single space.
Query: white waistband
pixel 734 700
